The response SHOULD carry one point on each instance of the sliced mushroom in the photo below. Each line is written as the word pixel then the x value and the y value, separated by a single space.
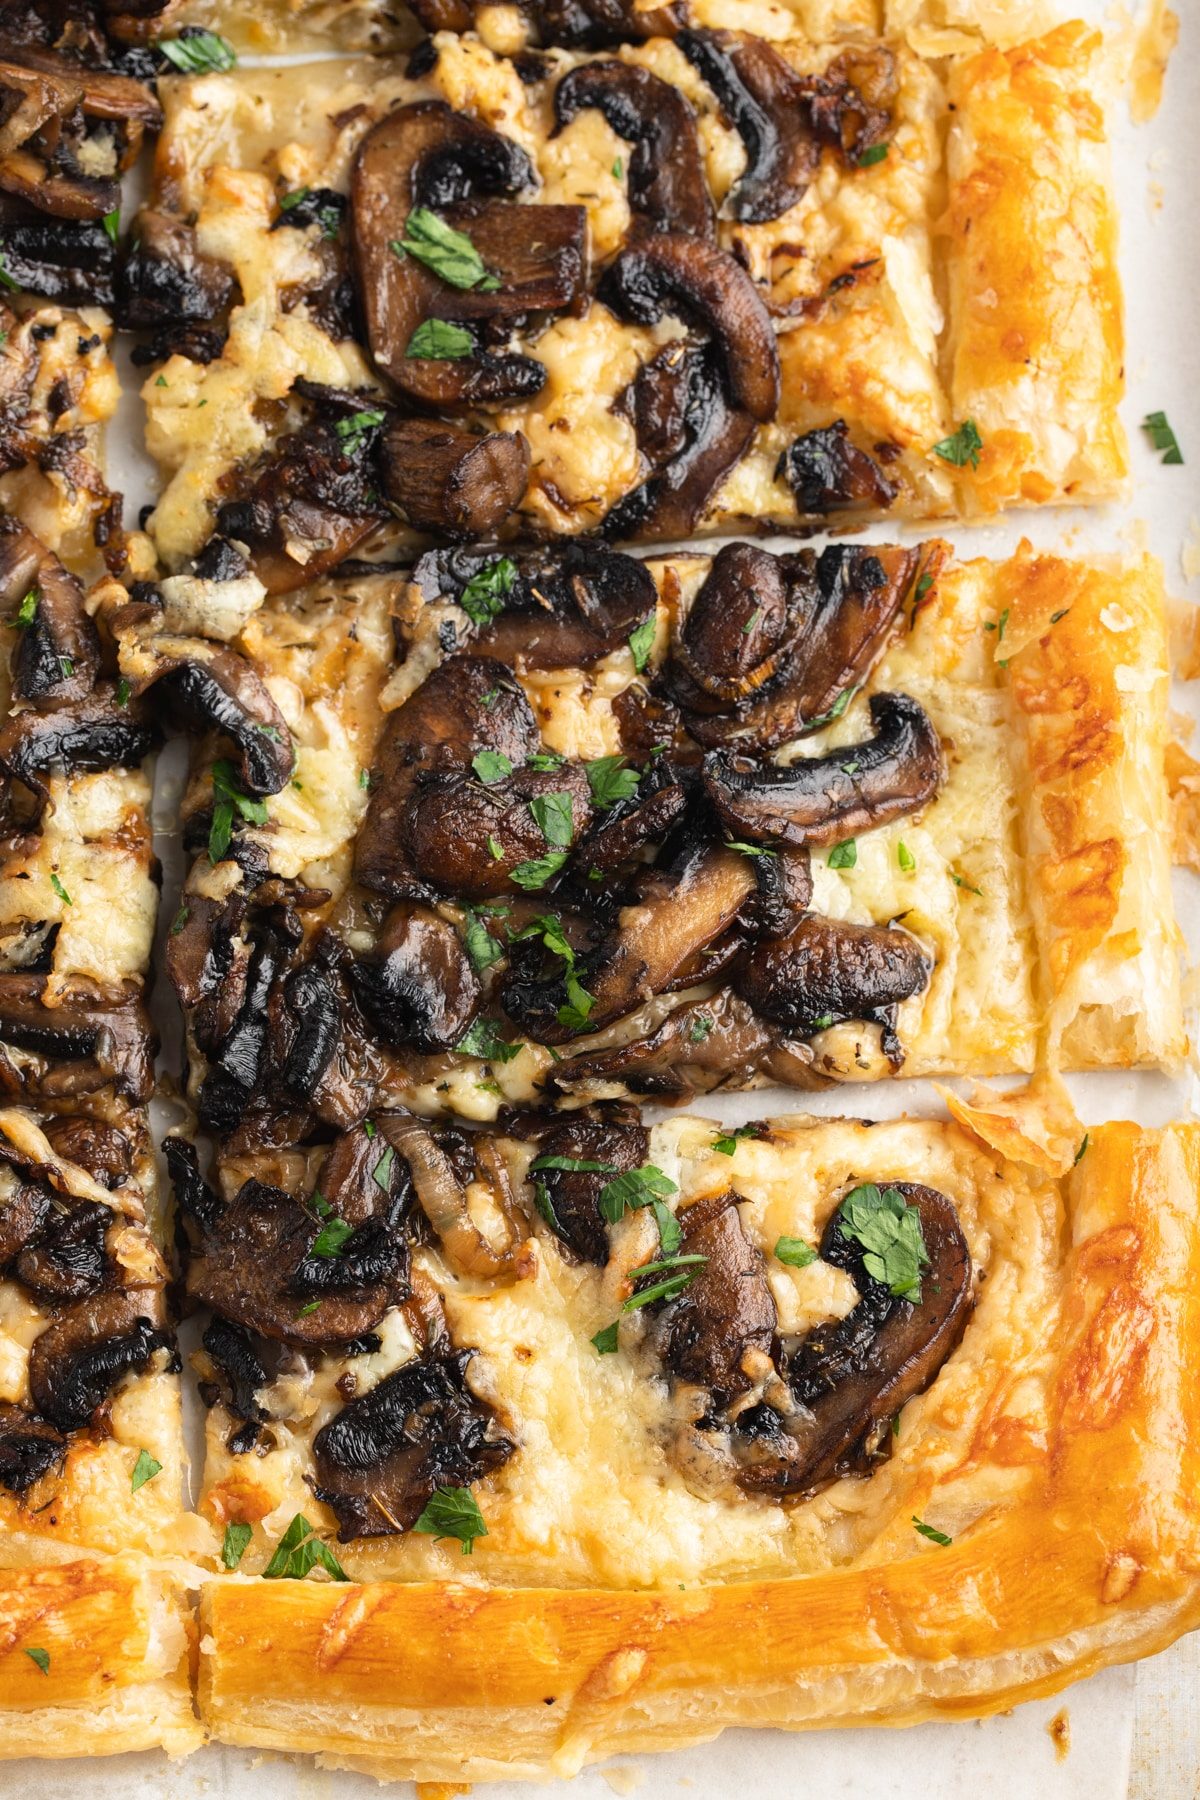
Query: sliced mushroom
pixel 572 1195
pixel 694 903
pixel 468 704
pixel 784 884
pixel 380 1459
pixel 444 1201
pixel 566 606
pixel 763 98
pixel 235 1065
pixel 426 155
pixel 718 1332
pixel 707 1044
pixel 29 1448
pixel 828 970
pixel 41 138
pixel 93 734
pixel 665 176
pixel 450 481
pixel 816 625
pixel 234 1357
pixel 84 1042
pixel 71 261
pixel 79 1358
pixel 473 839
pixel 104 1151
pixel 167 285
pixel 823 799
pixel 67 1260
pixel 849 1380
pixel 827 473
pixel 311 999
pixel 58 653
pixel 595 24
pixel 419 990
pixel 624 831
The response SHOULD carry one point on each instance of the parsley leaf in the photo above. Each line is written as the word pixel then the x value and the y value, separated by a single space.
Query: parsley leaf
pixel 484 595
pixel 1082 1150
pixel 889 1231
pixel 835 712
pixel 381 1174
pixel 572 1165
pixel 700 1027
pixel 749 849
pixel 298 1551
pixel 928 1531
pixel 484 1040
pixel 1162 437
pixel 112 224
pixel 482 948
pixel 295 198
pixel 144 1470
pixel 544 761
pixel 633 1189
pixel 610 780
pixel 353 431
pixel 726 1142
pixel 449 253
pixel 491 766
pixel 330 1241
pixel 843 856
pixel 875 153
pixel 122 692
pixel 962 447
pixel 794 1252
pixel 235 1544
pixel 537 872
pixel 553 817
pixel 229 798
pixel 641 641
pixel 679 1272
pixel 26 613
pixel 8 280
pixel 60 890
pixel 962 882
pixel 452 1512
pixel 905 857
pixel 440 340
pixel 198 52
pixel 42 1657
pixel 606 1340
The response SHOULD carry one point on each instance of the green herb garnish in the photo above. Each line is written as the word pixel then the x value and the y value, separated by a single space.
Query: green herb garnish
pixel 484 595
pixel 144 1469
pixel 236 1542
pixel 298 1551
pixel 1162 437
pixel 962 447
pixel 889 1231
pixel 794 1252
pixel 843 856
pixel 440 340
pixel 484 1041
pixel 452 1512
pixel 641 641
pixel 449 253
pixel 611 781
pixel 199 53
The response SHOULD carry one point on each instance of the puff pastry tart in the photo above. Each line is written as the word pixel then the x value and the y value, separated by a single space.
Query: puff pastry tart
pixel 799 1425
pixel 95 1641
pixel 665 288
pixel 571 825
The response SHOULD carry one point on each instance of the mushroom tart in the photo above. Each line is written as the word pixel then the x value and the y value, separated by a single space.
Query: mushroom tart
pixel 656 278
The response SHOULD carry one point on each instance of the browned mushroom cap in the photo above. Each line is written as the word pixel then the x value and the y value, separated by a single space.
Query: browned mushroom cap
pixel 419 990
pixel 595 24
pixel 707 1044
pixel 849 1380
pixel 67 1259
pixel 574 1162
pixel 426 155
pixel 380 1459
pixel 214 688
pixel 77 1361
pixel 691 905
pixel 772 645
pixel 93 734
pixel 81 1044
pixel 823 799
pixel 468 704
pixel 442 1194
pixel 29 1448
pixel 827 473
pixel 665 176
pixel 718 1331
pixel 63 259
pixel 23 1215
pixel 167 285
pixel 477 839
pixel 58 648
pixel 827 970
pixel 646 817
pixel 850 106
pixel 451 481
pixel 764 99
pixel 693 280
pixel 266 1257
pixel 565 607
pixel 104 1151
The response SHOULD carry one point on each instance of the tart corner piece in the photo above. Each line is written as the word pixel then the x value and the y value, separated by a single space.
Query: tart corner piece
pixel 1057 1574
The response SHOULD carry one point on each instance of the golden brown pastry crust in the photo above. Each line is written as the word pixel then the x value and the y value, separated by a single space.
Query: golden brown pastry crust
pixel 446 1681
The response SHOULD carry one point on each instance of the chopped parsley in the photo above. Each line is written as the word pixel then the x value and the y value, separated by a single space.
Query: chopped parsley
pixel 180 920
pixel 437 340
pixel 618 169
pixel 822 1023
pixel 700 1027
pixel 484 595
pixel 7 280
pixel 905 857
pixel 112 223
pixel 794 1252
pixel 381 1174
pixel 122 692
pixel 726 1142
pixel 752 621
pixel 843 856
pixel 633 1189
pixel 364 779
pixel 678 1273
pixel 744 849
pixel 26 613
pixel 606 1341
pixel 641 642
pixel 889 1231
pixel 482 948
pixel 611 781
pixel 537 871
pixel 298 1551
pixel 962 882
pixel 330 1241
pixel 962 447
pixel 1082 1150
pixel 42 1657
pixel 874 153
pixel 228 798
pixel 484 1041
pixel 353 431
pixel 295 198
pixel 235 1543
pixel 835 712
pixel 198 52
pixel 1060 614
pixel 544 761
pixel 553 816
pixel 452 1512
pixel 1162 437
pixel 572 1165
pixel 928 1531
pixel 491 766
pixel 144 1469
pixel 60 890
pixel 495 848
pixel 574 1014
pixel 924 583
pixel 449 253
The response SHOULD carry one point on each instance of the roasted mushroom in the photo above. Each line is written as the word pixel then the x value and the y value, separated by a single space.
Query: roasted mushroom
pixel 530 259
pixel 86 1041
pixel 418 991
pixel 763 98
pixel 67 1259
pixel 574 1162
pixel 827 970
pixel 380 1459
pixel 167 286
pixel 665 176
pixel 718 1332
pixel 93 734
pixel 235 1358
pixel 79 1358
pixel 824 799
pixel 479 839
pixel 29 1448
pixel 451 481
pixel 47 156
pixel 442 1194
pixel 827 472
pixel 68 260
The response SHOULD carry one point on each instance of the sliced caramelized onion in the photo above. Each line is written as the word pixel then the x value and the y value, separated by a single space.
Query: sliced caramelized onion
pixel 443 1200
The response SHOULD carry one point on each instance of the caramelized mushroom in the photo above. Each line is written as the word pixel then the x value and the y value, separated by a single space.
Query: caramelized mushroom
pixel 665 176
pixel 827 472
pixel 718 1332
pixel 67 1260
pixel 419 991
pixel 763 98
pixel 93 734
pixel 380 1459
pixel 234 1356
pixel 168 286
pixel 84 1042
pixel 217 689
pixel 572 1195
pixel 443 1200
pixel 827 970
pixel 58 648
pixel 29 1448
pixel 849 1380
pixel 68 260
pixel 79 1358
pixel 823 799
pixel 475 839
pixel 450 481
